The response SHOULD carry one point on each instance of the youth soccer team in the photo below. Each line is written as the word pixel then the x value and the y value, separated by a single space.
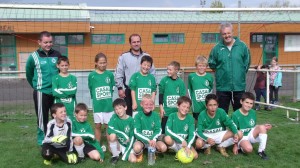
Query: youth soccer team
pixel 71 138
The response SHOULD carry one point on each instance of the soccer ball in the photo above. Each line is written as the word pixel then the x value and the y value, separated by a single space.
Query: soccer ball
pixel 184 157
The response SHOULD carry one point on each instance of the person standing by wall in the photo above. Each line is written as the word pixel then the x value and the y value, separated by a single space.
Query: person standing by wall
pixel 40 68
pixel 230 59
pixel 128 64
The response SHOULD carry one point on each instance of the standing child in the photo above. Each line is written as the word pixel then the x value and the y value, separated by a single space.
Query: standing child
pixel 101 83
pixel 180 128
pixel 147 128
pixel 142 83
pixel 211 128
pixel 84 139
pixel 200 84
pixel 64 86
pixel 58 139
pixel 120 130
pixel 275 80
pixel 245 120
pixel 171 87
pixel 260 86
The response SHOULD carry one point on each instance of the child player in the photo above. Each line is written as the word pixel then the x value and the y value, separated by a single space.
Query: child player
pixel 200 84
pixel 211 128
pixel 180 128
pixel 101 83
pixel 83 135
pixel 245 120
pixel 120 130
pixel 142 83
pixel 171 87
pixel 58 139
pixel 64 86
pixel 147 128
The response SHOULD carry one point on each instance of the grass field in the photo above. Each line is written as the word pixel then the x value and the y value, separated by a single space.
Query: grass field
pixel 19 149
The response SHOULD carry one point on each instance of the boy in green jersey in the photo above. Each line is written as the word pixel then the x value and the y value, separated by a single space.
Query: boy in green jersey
pixel 120 130
pixel 147 128
pixel 180 128
pixel 245 120
pixel 84 138
pixel 171 87
pixel 142 83
pixel 211 128
pixel 64 86
pixel 200 84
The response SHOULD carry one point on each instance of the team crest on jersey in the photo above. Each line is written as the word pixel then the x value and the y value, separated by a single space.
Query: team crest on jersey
pixel 82 130
pixel 149 82
pixel 186 127
pixel 218 122
pixel 177 89
pixel 251 122
pixel 53 60
pixel 127 129
pixel 206 83
pixel 70 85
pixel 107 80
pixel 152 124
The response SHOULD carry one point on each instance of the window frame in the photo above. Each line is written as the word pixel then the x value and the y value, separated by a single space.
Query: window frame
pixel 217 37
pixel 168 37
pixel 108 41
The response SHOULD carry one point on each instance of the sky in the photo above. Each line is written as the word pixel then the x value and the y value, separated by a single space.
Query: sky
pixel 153 3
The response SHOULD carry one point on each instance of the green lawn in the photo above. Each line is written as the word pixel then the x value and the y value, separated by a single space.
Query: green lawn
pixel 19 149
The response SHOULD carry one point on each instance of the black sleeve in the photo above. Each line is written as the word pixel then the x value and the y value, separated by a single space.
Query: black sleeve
pixel 161 99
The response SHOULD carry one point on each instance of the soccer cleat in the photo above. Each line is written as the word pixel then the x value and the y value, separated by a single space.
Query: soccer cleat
pixel 223 152
pixel 139 158
pixel 114 160
pixel 81 159
pixel 268 108
pixel 48 162
pixel 176 157
pixel 263 155
pixel 207 151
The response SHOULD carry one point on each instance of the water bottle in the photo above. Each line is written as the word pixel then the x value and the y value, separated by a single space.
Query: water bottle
pixel 151 156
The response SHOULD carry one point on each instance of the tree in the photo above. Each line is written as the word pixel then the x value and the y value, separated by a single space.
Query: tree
pixel 277 4
pixel 217 4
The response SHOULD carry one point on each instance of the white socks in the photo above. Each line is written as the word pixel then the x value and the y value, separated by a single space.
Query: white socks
pixel 226 143
pixel 262 142
pixel 79 150
pixel 113 148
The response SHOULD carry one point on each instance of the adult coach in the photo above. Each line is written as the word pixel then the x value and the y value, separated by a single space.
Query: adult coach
pixel 128 64
pixel 40 68
pixel 230 59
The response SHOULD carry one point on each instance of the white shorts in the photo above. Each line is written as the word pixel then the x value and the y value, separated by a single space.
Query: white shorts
pixel 249 138
pixel 102 117
pixel 217 137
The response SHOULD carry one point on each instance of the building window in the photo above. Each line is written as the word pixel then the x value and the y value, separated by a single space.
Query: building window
pixel 170 38
pixel 257 38
pixel 75 39
pixel 210 37
pixel 108 39
pixel 8 53
pixel 60 44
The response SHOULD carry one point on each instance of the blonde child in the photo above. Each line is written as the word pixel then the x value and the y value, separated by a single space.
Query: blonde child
pixel 147 129
pixel 171 87
pixel 101 83
pixel 200 84
pixel 64 86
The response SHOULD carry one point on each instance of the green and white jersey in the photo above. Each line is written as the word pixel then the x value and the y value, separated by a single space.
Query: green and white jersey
pixel 123 128
pixel 171 89
pixel 101 90
pixel 181 130
pixel 64 90
pixel 244 122
pixel 85 131
pixel 219 122
pixel 199 87
pixel 147 127
pixel 142 85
